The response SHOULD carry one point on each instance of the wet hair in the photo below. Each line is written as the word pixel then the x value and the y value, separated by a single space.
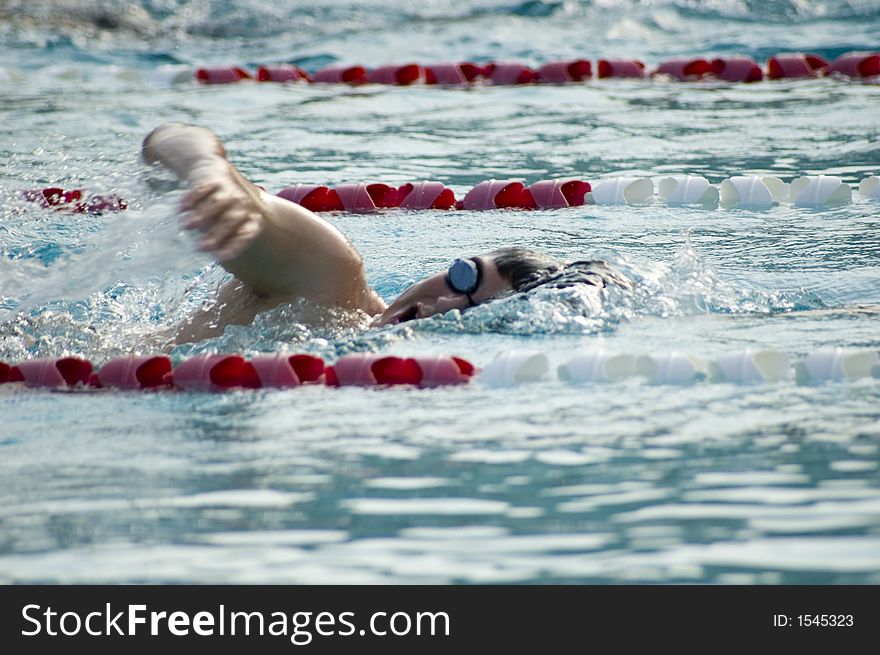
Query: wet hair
pixel 523 267
pixel 528 269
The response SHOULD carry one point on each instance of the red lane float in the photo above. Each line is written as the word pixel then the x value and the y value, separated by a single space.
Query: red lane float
pixel 366 369
pixel 856 64
pixel 341 75
pixel 737 69
pixel 452 74
pixel 51 372
pixel 426 195
pixel 279 370
pixel 554 194
pixel 396 75
pixel 229 75
pixel 795 65
pixel 512 194
pixel 313 196
pixel 136 372
pixel 620 68
pixel 56 197
pixel 495 194
pixel 215 372
pixel 281 74
pixel 441 370
pixel 367 197
pixel 562 72
pixel 684 69
pixel 502 73
pixel 73 201
pixel 202 372
pixel 358 198
pixel 108 203
pixel 364 198
pixel 730 69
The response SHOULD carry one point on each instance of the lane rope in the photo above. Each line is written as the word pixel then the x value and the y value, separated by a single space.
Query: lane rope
pixel 509 368
pixel 755 191
pixel 786 65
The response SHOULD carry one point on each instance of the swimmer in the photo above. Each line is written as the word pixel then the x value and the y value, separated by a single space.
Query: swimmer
pixel 280 252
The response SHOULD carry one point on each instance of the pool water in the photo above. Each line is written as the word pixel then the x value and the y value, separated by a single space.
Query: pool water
pixel 546 482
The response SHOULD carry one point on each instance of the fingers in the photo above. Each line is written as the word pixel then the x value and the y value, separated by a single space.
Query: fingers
pixel 203 204
pixel 196 195
pixel 215 215
pixel 235 225
pixel 228 221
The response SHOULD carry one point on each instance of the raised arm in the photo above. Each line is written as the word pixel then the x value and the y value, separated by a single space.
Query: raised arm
pixel 278 248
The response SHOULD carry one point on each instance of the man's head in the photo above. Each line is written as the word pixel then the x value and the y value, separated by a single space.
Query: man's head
pixel 468 282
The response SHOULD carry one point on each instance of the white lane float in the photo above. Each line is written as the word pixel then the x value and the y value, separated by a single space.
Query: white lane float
pixel 837 365
pixel 622 191
pixel 687 190
pixel 671 368
pixel 515 367
pixel 759 191
pixel 597 366
pixel 819 191
pixel 169 75
pixel 870 187
pixel 750 365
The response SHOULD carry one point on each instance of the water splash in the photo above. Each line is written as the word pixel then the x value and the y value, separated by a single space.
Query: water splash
pixel 286 328
pixel 133 277
pixel 133 248
pixel 690 286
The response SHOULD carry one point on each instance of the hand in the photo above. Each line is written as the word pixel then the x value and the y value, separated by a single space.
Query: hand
pixel 228 217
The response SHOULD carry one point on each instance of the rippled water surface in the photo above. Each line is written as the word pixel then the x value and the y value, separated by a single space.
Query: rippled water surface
pixel 545 482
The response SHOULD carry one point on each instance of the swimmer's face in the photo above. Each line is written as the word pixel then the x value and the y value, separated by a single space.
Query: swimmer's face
pixel 433 296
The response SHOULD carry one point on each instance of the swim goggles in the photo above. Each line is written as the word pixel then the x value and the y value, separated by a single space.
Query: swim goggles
pixel 464 276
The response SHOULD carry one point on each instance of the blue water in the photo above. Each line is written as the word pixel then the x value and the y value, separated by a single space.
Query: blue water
pixel 546 482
